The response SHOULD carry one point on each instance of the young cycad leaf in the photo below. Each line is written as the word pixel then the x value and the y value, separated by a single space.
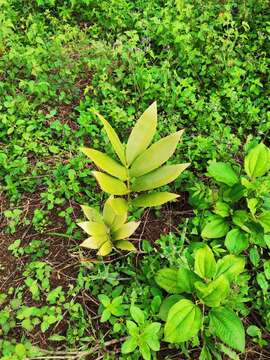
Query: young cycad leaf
pixel 155 199
pixel 205 263
pixel 112 219
pixel 105 249
pixel 110 184
pixel 125 230
pixel 228 327
pixel 93 228
pixel 230 266
pixel 162 176
pixel 257 162
pixel 94 243
pixel 120 206
pixel 183 322
pixel 92 214
pixel 114 139
pixel 104 162
pixel 124 245
pixel 167 280
pixel 223 173
pixel 142 133
pixel 156 155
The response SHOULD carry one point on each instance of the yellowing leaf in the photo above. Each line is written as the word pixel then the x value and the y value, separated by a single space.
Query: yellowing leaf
pixel 105 249
pixel 124 245
pixel 111 218
pixel 156 155
pixel 125 230
pixel 142 133
pixel 93 228
pixel 91 213
pixel 155 199
pixel 114 139
pixel 162 176
pixel 94 243
pixel 119 205
pixel 104 162
pixel 110 184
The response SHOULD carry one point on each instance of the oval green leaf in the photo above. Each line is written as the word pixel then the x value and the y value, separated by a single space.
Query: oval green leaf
pixel 205 263
pixel 223 173
pixel 257 162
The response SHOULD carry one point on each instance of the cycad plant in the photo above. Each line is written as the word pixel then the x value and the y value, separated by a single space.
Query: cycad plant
pixel 140 167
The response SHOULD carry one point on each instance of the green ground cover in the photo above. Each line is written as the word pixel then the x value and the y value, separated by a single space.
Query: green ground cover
pixel 206 63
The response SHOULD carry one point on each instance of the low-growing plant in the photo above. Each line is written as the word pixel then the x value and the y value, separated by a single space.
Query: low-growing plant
pixel 198 301
pixel 141 166
pixel 108 230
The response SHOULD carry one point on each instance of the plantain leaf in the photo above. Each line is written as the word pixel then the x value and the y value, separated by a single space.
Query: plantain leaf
pixel 114 139
pixel 155 199
pixel 93 228
pixel 92 214
pixel 124 245
pixel 94 243
pixel 162 176
pixel 257 162
pixel 110 184
pixel 183 322
pixel 230 266
pixel 125 230
pixel 104 162
pixel 228 327
pixel 142 133
pixel 205 263
pixel 105 249
pixel 167 279
pixel 156 155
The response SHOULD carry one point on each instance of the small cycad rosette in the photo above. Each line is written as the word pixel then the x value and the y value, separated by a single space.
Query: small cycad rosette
pixel 108 230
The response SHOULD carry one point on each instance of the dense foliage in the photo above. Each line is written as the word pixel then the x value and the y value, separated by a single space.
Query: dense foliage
pixel 206 63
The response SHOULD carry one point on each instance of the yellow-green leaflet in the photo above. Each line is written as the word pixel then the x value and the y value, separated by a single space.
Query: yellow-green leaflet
pixel 94 243
pixel 155 199
pixel 142 133
pixel 125 230
pixel 92 214
pixel 93 228
pixel 124 245
pixel 114 139
pixel 119 205
pixel 162 176
pixel 104 162
pixel 111 218
pixel 105 249
pixel 110 184
pixel 156 155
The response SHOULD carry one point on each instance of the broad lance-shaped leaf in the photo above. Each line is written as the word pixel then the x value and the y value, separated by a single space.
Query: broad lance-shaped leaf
pixel 223 173
pixel 125 230
pixel 92 214
pixel 156 155
pixel 110 184
pixel 111 218
pixel 162 176
pixel 257 162
pixel 104 162
pixel 228 327
pixel 124 245
pixel 94 243
pixel 205 263
pixel 142 133
pixel 155 199
pixel 105 249
pixel 93 228
pixel 183 322
pixel 114 139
